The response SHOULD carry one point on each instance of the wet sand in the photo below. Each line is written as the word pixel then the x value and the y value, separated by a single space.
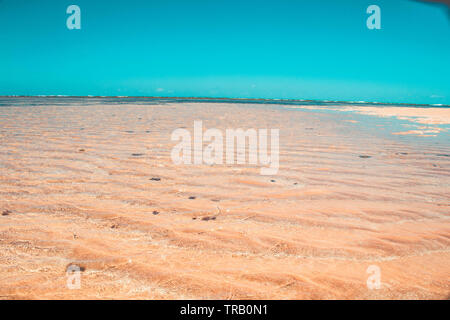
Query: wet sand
pixel 95 186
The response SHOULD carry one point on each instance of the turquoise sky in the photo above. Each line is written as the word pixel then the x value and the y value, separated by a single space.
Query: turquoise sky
pixel 215 48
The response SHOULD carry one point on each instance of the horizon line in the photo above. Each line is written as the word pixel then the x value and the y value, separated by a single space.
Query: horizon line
pixel 227 98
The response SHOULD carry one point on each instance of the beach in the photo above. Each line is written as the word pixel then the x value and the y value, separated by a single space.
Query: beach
pixel 95 186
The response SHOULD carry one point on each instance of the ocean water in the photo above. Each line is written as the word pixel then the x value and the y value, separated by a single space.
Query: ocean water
pixel 98 100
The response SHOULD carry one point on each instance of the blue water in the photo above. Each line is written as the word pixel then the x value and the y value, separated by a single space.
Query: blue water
pixel 70 101
pixel 366 122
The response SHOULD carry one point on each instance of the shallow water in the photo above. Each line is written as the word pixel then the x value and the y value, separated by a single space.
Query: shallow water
pixel 72 101
pixel 348 195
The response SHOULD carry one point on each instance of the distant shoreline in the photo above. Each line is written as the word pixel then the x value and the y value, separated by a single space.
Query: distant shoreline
pixel 242 100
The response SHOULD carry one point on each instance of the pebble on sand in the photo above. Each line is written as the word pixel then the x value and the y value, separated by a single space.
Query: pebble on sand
pixel 6 213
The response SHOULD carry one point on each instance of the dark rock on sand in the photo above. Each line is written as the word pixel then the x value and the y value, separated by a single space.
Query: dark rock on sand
pixel 155 179
pixel 6 213
pixel 365 157
pixel 155 212
pixel 192 198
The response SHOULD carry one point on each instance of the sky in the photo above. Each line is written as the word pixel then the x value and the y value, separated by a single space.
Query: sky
pixel 280 49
